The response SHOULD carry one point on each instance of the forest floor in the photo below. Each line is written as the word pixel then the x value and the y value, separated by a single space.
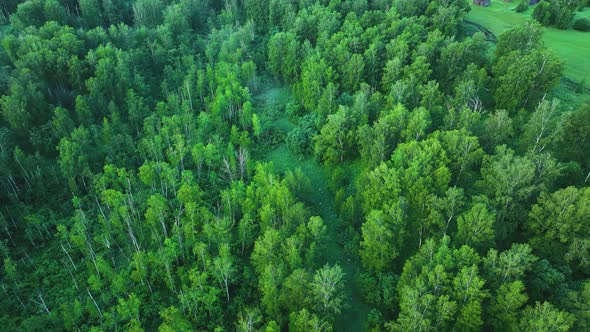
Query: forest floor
pixel 320 199
pixel 4 28
pixel 570 45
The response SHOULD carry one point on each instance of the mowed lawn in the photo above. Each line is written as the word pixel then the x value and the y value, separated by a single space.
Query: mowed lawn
pixel 573 47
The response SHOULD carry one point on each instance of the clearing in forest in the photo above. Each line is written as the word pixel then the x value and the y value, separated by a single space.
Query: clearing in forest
pixel 320 199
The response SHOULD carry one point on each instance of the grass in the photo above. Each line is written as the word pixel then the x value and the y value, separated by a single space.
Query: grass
pixel 322 203
pixel 4 29
pixel 573 47
pixel 570 96
pixel 320 200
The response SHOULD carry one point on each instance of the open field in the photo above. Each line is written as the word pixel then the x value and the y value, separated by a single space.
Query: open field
pixel 570 45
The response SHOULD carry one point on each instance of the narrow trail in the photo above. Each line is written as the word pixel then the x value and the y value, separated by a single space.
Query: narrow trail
pixel 321 200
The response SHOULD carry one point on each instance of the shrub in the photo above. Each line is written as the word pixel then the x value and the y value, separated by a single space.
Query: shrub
pixel 581 85
pixel 300 138
pixel 543 13
pixel 294 110
pixel 522 7
pixel 582 24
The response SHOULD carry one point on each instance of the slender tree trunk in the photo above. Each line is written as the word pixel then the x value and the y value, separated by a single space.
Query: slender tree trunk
pixel 43 304
pixel 67 254
pixel 95 304
pixel 226 288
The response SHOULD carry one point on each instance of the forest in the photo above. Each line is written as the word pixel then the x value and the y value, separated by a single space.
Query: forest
pixel 290 165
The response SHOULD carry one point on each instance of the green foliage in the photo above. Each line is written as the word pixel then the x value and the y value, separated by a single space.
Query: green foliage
pixel 503 309
pixel 573 144
pixel 440 287
pixel 382 238
pixel 305 321
pixel 316 75
pixel 509 265
pixel 300 139
pixel 509 181
pixel 558 13
pixel 284 56
pixel 524 78
pixel 174 321
pixel 37 12
pixel 522 7
pixel 327 289
pixel 476 227
pixel 582 24
pixel 545 317
pixel 134 196
pixel 148 13
pixel 558 225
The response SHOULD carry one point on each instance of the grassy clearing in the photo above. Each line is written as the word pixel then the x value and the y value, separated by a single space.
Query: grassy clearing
pixel 272 104
pixel 573 47
pixel 321 201
pixel 570 96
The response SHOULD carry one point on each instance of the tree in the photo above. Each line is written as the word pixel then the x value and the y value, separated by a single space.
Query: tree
pixel 25 105
pixel 336 138
pixel 505 304
pixel 74 154
pixel 62 122
pixel 508 266
pixel 247 320
pixel 133 130
pixel 327 287
pixel 572 141
pixel 352 72
pixel 417 126
pixel 284 56
pixel 468 287
pixel 524 70
pixel 296 293
pixel 382 238
pixel 91 13
pixel 443 211
pixel 37 12
pixel 315 75
pixel 148 13
pixel 462 149
pixel 377 142
pixel 416 172
pixel 540 131
pixel 498 129
pixel 304 321
pixel 475 228
pixel 522 38
pixel 457 56
pixel 508 180
pixel 523 79
pixel 258 12
pixel 578 301
pixel 545 317
pixel 558 223
pixel 557 13
pixel 174 320
pixel 440 288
